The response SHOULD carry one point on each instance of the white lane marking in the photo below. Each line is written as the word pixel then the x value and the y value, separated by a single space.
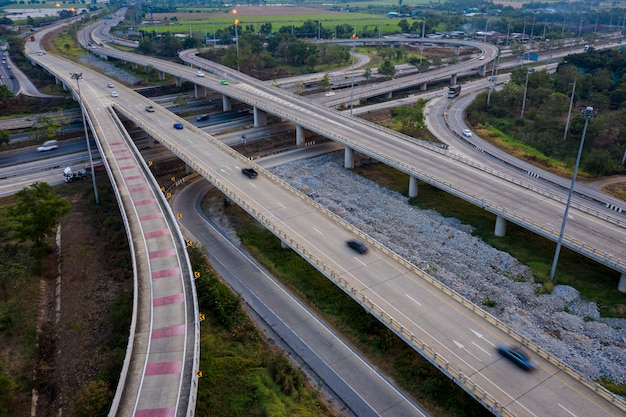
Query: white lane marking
pixel 480 336
pixel 566 409
pixel 281 204
pixel 362 263
pixel 475 344
pixel 414 300
pixel 318 231
pixel 460 346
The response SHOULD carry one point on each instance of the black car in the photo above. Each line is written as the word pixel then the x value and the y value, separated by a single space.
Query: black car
pixel 250 172
pixel 357 246
pixel 202 118
pixel 517 356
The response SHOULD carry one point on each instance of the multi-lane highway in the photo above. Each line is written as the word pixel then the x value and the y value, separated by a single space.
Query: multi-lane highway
pixel 429 317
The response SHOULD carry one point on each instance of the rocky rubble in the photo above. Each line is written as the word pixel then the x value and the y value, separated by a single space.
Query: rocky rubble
pixel 561 323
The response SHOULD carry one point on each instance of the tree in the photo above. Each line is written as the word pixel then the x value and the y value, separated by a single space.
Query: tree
pixel 387 68
pixel 5 136
pixel 367 74
pixel 45 128
pixel 325 82
pixel 437 61
pixel 180 100
pixel 37 212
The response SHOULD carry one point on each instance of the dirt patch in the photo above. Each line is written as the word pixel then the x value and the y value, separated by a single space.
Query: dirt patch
pixel 72 341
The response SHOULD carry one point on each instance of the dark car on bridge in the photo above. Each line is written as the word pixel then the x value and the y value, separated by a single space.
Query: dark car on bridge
pixel 250 172
pixel 357 246
pixel 178 125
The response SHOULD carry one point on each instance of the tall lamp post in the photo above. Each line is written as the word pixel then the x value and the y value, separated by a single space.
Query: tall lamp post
pixel 525 89
pixel 236 38
pixel 354 38
pixel 77 76
pixel 589 112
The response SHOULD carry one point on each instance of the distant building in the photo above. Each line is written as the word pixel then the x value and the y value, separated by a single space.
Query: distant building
pixel 392 15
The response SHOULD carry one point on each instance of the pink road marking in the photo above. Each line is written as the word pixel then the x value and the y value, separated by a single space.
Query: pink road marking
pixel 125 167
pixel 162 368
pixel 151 216
pixel 144 188
pixel 144 202
pixel 177 330
pixel 121 151
pixel 164 273
pixel 134 177
pixel 124 158
pixel 116 143
pixel 156 412
pixel 156 233
pixel 167 300
pixel 163 252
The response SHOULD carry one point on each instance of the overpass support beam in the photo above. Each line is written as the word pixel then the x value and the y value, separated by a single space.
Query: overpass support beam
pixel 226 103
pixel 457 50
pixel 622 283
pixel 500 229
pixel 188 169
pixel 389 95
pixel 161 75
pixel 453 79
pixel 423 87
pixel 133 66
pixel 150 141
pixel 300 133
pixel 412 186
pixel 283 245
pixel 482 70
pixel 348 158
pixel 260 118
pixel 199 91
pixel 178 81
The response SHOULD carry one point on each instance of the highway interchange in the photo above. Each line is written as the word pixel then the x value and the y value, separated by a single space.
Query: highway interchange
pixel 328 243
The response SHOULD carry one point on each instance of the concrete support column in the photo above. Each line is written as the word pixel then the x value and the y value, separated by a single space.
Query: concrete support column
pixel 150 141
pixel 260 118
pixel 412 186
pixel 389 95
pixel 283 245
pixel 178 81
pixel 188 170
pixel 299 135
pixel 161 75
pixel 423 87
pixel 133 66
pixel 226 103
pixel 199 91
pixel 457 49
pixel 348 158
pixel 453 79
pixel 57 82
pixel 482 70
pixel 500 229
pixel 622 283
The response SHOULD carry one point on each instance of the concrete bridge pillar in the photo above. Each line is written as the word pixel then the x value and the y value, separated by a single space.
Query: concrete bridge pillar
pixel 348 158
pixel 389 95
pixel 283 245
pixel 300 133
pixel 423 87
pixel 161 75
pixel 150 141
pixel 226 103
pixel 260 118
pixel 457 49
pixel 482 70
pixel 453 79
pixel 199 91
pixel 178 81
pixel 133 66
pixel 188 169
pixel 500 229
pixel 622 283
pixel 412 186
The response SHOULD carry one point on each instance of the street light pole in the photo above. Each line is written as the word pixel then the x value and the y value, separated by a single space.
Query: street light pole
pixel 236 38
pixel 77 76
pixel 525 89
pixel 589 113
pixel 354 37
pixel 569 112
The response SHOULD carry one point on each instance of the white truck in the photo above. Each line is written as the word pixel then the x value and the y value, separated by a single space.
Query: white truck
pixel 70 176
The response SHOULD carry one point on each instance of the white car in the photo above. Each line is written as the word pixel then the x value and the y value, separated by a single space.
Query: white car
pixel 329 94
pixel 114 94
pixel 110 85
pixel 467 132
pixel 199 74
pixel 48 146
pixel 481 57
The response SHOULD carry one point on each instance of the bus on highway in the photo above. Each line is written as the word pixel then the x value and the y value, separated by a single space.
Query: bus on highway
pixel 454 91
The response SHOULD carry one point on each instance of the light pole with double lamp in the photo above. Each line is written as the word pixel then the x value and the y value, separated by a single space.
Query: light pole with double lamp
pixel 77 76
pixel 525 89
pixel 236 38
pixel 589 112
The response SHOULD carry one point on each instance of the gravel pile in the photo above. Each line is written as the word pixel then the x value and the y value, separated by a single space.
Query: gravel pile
pixel 109 70
pixel 562 323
